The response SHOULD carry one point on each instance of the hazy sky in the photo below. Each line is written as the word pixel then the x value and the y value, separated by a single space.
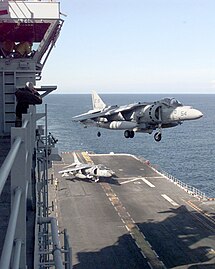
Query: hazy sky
pixel 134 46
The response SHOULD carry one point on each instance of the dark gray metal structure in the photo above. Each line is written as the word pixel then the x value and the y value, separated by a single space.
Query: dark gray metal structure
pixel 29 236
pixel 19 20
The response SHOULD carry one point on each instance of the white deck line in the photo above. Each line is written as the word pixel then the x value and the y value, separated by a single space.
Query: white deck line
pixel 130 180
pixel 169 199
pixel 148 183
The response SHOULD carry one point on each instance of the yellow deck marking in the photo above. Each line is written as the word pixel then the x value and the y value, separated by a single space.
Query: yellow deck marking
pixel 87 157
pixel 205 215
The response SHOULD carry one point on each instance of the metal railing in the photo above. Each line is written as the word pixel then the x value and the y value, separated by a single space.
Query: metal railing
pixel 186 187
pixel 27 164
pixel 8 163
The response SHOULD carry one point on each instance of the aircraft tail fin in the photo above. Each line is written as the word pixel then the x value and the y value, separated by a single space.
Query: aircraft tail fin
pixel 75 163
pixel 98 103
pixel 76 160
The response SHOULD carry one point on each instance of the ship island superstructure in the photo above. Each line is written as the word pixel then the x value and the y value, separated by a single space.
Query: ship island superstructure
pixel 29 237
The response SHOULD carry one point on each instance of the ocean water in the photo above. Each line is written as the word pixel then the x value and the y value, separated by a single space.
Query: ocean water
pixel 186 151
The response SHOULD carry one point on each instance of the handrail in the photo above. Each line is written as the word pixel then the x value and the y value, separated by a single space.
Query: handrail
pixel 56 244
pixel 25 123
pixel 27 145
pixel 8 162
pixel 8 245
pixel 17 252
pixel 188 188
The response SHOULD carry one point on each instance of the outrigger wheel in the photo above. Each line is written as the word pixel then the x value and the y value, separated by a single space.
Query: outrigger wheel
pixel 157 136
pixel 129 134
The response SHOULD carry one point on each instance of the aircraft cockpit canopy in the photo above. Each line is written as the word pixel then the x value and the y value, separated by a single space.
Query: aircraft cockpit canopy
pixel 171 101
pixel 102 167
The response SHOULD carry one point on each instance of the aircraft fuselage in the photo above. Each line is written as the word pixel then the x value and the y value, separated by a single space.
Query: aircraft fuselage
pixel 138 117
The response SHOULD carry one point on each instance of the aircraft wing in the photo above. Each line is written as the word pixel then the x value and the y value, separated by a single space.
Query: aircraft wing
pixel 106 112
pixel 77 168
pixel 125 108
pixel 88 116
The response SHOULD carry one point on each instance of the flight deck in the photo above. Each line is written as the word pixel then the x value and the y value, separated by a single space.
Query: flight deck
pixel 136 219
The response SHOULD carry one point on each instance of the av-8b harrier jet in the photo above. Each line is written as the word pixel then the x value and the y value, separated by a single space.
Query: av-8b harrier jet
pixel 86 170
pixel 143 117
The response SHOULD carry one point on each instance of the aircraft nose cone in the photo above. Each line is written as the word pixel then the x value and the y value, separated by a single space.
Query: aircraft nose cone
pixel 109 174
pixel 196 114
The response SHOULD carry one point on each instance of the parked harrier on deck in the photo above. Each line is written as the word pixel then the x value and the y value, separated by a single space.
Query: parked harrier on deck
pixel 86 170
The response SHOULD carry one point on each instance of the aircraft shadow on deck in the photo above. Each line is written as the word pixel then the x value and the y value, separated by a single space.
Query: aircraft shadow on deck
pixel 173 239
pixel 122 254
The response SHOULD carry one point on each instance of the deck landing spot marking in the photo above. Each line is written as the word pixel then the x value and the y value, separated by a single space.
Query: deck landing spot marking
pixel 169 199
pixel 137 183
pixel 128 181
pixel 148 183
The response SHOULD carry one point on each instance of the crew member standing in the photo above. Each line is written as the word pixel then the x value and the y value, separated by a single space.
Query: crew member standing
pixel 25 97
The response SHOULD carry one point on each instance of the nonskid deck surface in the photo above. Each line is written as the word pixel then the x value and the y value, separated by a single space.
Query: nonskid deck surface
pixel 137 219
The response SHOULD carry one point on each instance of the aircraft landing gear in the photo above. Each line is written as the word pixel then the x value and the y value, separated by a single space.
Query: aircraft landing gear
pixel 157 136
pixel 98 134
pixel 129 134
